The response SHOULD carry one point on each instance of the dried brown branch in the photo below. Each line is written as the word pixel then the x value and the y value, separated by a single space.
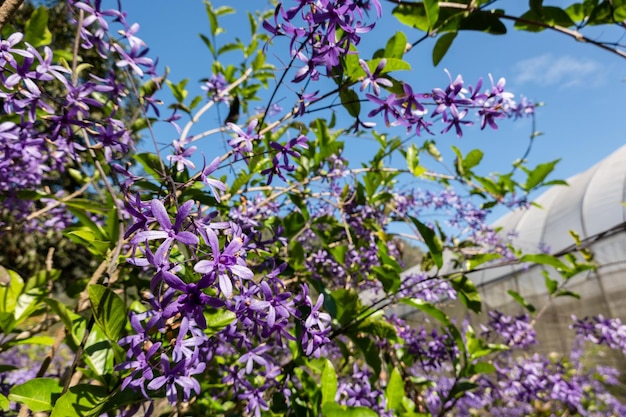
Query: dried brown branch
pixel 7 9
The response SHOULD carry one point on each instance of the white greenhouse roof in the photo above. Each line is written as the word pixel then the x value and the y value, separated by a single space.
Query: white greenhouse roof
pixel 590 206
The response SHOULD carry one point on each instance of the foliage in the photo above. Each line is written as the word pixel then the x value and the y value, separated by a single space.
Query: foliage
pixel 262 281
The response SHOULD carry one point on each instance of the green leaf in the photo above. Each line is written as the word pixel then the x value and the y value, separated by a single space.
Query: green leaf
pixel 4 403
pixel 224 10
pixel 60 310
pixel 431 8
pixel 483 22
pixel 336 410
pixel 517 297
pixel 108 310
pixel 468 292
pixel 545 259
pixel 36 30
pixel 178 90
pixel 348 304
pixel 537 175
pixel 215 27
pixel 441 47
pixel 525 22
pixel 80 400
pixel 478 260
pixel 208 43
pixel 10 290
pixel 477 348
pixel 413 15
pixel 38 394
pixel 482 368
pixel 395 391
pixel 396 45
pixel 392 64
pixel 115 402
pixel 370 352
pixel 412 158
pixel 329 382
pixel 435 246
pixel 566 293
pixel 86 205
pixel 575 12
pixel 350 101
pixel 556 16
pixel 27 304
pixel 218 319
pixel 150 163
pixel 229 47
pixel 472 159
pixel 459 389
pixel 98 352
pixel 37 340
pixel 551 284
pixel 379 326
pixel 619 13
pixel 87 223
pixel 90 241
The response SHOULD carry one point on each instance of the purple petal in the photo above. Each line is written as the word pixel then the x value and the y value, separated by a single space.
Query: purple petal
pixel 159 212
pixel 204 267
pixel 187 238
pixel 149 235
pixel 242 271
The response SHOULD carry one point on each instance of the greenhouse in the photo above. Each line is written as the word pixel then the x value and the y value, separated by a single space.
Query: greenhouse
pixel 592 207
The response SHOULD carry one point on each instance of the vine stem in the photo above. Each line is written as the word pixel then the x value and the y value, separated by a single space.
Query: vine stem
pixel 7 9
pixel 557 28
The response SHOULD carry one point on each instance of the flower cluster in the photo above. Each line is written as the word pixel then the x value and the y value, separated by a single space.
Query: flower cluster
pixel 242 290
pixel 429 349
pixel 452 105
pixel 176 338
pixel 420 285
pixel 357 391
pixel 329 29
pixel 602 331
pixel 515 331
pixel 49 133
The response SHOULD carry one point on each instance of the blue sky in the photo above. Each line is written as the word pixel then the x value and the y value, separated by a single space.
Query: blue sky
pixel 583 89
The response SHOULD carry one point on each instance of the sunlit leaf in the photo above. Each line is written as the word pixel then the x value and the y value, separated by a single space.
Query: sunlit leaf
pixel 108 310
pixel 38 394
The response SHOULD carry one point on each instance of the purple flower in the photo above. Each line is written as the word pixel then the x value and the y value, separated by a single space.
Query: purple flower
pixel 515 331
pixel 178 376
pixel 283 153
pixel 213 184
pixel 181 156
pixel 316 318
pixel 308 70
pixel 225 263
pixel 387 106
pixel 256 355
pixel 316 326
pixel 375 80
pixel 214 86
pixel 7 50
pixel 243 142
pixel 169 232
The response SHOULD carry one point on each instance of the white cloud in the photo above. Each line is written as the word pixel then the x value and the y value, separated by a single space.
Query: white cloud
pixel 565 70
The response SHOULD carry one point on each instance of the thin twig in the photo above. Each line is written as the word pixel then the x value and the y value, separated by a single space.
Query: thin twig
pixel 561 29
pixel 7 9
pixel 206 107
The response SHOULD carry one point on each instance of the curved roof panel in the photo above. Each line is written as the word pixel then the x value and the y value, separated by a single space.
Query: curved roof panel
pixel 590 205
